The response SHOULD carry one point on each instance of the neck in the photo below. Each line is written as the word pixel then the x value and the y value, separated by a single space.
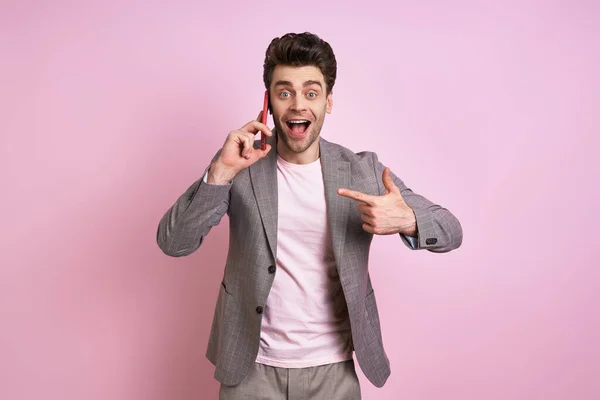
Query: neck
pixel 306 157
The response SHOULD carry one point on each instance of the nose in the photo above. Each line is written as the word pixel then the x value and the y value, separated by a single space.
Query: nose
pixel 298 104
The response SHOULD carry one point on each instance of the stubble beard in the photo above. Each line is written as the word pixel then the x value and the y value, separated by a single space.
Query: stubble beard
pixel 300 146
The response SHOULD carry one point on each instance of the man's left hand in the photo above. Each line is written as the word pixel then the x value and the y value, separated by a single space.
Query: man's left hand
pixel 387 214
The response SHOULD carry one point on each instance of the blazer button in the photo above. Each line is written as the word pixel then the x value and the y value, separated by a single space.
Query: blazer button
pixel 271 269
pixel 431 241
pixel 259 309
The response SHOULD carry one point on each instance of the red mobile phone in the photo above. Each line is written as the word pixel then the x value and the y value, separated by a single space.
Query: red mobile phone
pixel 263 137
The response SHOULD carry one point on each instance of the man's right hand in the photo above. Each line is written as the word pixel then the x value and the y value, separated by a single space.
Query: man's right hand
pixel 238 152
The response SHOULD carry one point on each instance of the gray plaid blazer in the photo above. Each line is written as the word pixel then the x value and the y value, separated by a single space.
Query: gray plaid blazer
pixel 250 200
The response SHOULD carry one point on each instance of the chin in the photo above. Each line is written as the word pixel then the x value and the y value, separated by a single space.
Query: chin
pixel 294 144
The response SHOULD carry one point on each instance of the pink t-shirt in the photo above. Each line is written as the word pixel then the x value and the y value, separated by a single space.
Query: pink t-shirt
pixel 305 322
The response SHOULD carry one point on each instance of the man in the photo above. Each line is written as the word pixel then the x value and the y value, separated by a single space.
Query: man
pixel 296 298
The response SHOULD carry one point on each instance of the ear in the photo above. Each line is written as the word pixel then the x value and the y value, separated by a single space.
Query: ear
pixel 270 106
pixel 329 102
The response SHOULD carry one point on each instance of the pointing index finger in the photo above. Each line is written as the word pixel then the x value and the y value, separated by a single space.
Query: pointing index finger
pixel 358 196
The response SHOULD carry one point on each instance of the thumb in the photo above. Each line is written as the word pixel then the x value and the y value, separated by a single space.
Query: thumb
pixel 263 153
pixel 388 182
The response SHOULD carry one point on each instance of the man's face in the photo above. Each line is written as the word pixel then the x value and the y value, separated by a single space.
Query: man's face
pixel 299 103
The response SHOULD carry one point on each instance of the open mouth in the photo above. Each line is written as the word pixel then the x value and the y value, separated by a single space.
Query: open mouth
pixel 298 127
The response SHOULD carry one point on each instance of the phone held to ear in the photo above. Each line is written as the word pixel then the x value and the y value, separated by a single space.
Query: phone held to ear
pixel 263 137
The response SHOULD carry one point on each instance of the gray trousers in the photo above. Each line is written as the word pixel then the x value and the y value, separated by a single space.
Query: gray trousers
pixel 337 381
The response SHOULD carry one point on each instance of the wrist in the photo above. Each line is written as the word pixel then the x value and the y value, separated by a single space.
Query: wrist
pixel 410 229
pixel 219 174
pixel 414 228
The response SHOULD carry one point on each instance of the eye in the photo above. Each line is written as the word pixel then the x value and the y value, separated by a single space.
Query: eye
pixel 312 95
pixel 285 95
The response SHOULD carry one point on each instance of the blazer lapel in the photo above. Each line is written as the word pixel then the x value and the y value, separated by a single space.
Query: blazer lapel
pixel 263 175
pixel 336 174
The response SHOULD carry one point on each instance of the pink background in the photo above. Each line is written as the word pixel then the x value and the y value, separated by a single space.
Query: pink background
pixel 110 110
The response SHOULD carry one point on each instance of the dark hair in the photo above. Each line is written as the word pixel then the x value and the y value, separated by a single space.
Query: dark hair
pixel 300 49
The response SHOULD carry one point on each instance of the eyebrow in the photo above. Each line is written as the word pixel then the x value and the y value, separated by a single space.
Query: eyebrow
pixel 305 84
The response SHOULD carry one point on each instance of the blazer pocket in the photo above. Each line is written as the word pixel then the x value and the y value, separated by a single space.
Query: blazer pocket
pixel 219 329
pixel 224 288
pixel 372 315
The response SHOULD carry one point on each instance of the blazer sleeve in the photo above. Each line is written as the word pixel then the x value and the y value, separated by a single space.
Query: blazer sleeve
pixel 438 230
pixel 184 226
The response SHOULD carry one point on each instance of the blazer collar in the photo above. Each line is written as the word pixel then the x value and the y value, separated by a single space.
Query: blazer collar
pixel 263 175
